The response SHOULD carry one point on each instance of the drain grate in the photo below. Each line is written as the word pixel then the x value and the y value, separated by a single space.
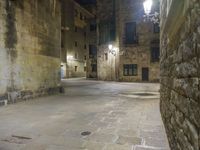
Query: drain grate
pixel 85 133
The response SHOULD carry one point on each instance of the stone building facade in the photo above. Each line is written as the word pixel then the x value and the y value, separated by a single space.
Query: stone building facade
pixel 76 39
pixel 135 52
pixel 180 72
pixel 29 49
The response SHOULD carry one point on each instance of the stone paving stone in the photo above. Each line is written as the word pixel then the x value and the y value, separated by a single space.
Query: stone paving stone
pixel 110 120
pixel 69 142
pixel 33 146
pixel 56 123
pixel 152 134
pixel 129 132
pixel 93 146
pixel 122 140
pixel 108 130
pixel 99 124
pixel 103 138
pixel 123 125
pixel 55 147
pixel 148 127
pixel 117 147
pixel 148 148
pixel 10 146
pixel 155 142
pixel 74 133
pixel 118 113
pixel 58 140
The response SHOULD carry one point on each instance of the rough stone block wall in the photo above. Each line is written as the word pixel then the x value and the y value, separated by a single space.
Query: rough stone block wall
pixel 180 73
pixel 76 38
pixel 92 40
pixel 126 11
pixel 29 48
pixel 107 69
pixel 140 53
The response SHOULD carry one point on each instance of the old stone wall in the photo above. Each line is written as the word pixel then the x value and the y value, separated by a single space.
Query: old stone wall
pixel 107 34
pixel 106 64
pixel 92 59
pixel 180 72
pixel 140 52
pixel 75 38
pixel 29 48
pixel 112 17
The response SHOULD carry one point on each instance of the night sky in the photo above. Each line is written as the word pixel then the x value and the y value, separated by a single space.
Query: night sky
pixel 83 2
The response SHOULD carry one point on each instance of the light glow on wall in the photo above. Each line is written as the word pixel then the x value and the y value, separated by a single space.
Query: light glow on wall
pixel 147 6
pixel 70 57
pixel 112 49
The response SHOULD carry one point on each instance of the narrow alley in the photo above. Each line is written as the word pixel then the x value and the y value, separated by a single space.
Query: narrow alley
pixel 90 115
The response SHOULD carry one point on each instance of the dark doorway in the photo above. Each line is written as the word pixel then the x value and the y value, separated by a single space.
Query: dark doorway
pixel 145 74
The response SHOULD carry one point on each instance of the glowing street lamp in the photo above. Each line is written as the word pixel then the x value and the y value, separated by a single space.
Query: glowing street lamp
pixel 154 17
pixel 110 46
pixel 147 6
pixel 112 49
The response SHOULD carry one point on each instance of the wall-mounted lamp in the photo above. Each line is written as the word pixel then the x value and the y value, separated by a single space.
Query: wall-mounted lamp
pixel 70 57
pixel 154 17
pixel 112 50
pixel 147 6
pixel 110 46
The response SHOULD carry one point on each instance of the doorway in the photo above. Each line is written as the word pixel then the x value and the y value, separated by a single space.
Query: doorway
pixel 145 74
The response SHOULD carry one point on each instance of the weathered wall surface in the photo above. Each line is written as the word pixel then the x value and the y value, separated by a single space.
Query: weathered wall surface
pixel 30 48
pixel 139 53
pixel 92 59
pixel 107 63
pixel 4 73
pixel 180 72
pixel 75 38
pixel 107 66
pixel 122 12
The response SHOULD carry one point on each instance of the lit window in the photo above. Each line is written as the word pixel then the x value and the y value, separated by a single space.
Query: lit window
pixel 130 70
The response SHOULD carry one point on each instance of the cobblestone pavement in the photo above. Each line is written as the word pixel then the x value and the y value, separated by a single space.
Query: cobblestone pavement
pixel 90 115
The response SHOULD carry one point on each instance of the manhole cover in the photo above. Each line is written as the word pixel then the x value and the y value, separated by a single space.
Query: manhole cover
pixel 85 133
pixel 143 94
